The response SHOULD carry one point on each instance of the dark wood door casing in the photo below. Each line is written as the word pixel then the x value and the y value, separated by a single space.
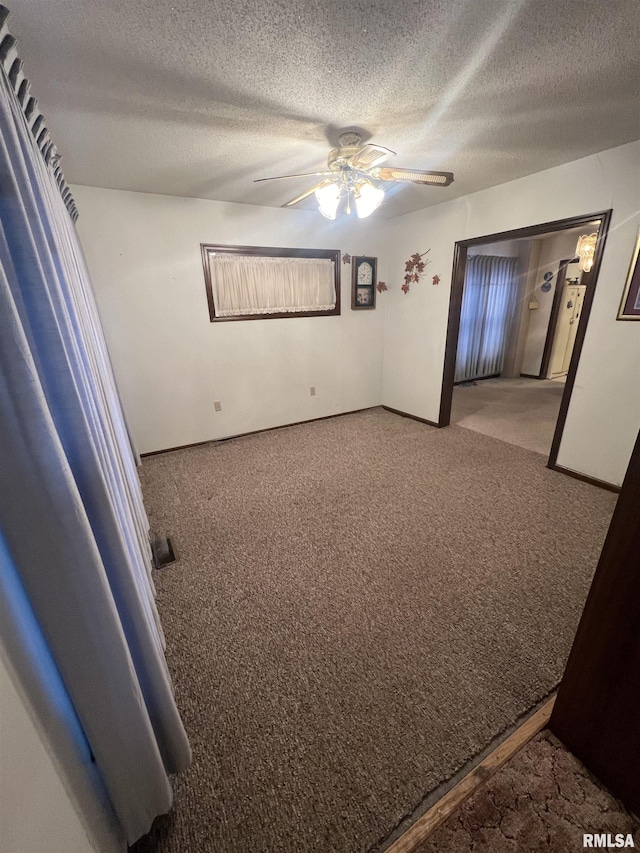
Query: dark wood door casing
pixel 455 306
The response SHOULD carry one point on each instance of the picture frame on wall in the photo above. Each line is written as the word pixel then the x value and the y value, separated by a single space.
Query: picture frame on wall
pixel 630 303
pixel 364 271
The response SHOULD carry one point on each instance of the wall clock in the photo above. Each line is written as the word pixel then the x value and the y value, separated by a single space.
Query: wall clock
pixel 363 282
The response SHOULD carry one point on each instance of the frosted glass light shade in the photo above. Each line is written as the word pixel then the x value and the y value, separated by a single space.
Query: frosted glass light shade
pixel 368 199
pixel 328 200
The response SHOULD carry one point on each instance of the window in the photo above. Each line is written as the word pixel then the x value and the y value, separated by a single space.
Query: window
pixel 262 283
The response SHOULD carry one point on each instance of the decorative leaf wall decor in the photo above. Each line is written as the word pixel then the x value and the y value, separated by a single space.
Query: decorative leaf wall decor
pixel 413 269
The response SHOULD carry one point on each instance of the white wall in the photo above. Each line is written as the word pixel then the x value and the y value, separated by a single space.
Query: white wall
pixel 36 814
pixel 514 352
pixel 171 362
pixel 502 249
pixel 604 415
pixel 530 281
pixel 553 249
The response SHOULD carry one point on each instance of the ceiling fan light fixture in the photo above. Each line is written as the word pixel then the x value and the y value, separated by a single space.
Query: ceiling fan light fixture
pixel 368 199
pixel 328 198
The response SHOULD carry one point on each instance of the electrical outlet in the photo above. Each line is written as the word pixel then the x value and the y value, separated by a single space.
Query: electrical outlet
pixel 312 390
pixel 217 405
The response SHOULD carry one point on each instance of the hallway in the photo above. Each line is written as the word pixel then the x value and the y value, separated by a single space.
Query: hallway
pixel 519 411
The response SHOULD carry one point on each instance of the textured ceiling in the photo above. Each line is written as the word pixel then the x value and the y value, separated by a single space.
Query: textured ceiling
pixel 198 98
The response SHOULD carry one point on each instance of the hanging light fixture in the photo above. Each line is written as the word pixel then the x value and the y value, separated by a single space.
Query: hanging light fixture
pixel 347 186
pixel 328 199
pixel 368 199
pixel 585 250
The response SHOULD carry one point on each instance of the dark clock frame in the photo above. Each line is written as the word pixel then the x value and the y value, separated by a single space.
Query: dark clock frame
pixel 366 289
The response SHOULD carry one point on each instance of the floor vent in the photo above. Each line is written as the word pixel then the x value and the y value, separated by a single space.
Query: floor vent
pixel 162 550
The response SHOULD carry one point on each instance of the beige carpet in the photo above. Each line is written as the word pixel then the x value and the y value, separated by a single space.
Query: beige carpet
pixel 361 604
pixel 543 799
pixel 520 411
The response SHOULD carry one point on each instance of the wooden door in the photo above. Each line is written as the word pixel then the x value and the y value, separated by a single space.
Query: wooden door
pixel 597 712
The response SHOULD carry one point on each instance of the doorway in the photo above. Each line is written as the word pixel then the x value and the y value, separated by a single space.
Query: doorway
pixel 518 315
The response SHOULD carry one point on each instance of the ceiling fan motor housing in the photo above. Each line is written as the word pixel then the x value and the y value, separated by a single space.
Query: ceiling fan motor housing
pixel 339 157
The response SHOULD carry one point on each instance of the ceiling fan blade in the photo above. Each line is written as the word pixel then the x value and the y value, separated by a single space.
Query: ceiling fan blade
pixel 304 195
pixel 370 156
pixel 416 176
pixel 303 175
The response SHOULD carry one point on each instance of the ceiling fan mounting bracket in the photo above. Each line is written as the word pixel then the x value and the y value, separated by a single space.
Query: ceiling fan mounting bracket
pixel 351 139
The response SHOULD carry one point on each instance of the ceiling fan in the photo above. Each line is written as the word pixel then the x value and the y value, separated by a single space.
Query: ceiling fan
pixel 353 173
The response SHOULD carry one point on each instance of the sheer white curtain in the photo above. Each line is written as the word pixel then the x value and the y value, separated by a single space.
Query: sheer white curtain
pixel 243 284
pixel 488 302
pixel 71 512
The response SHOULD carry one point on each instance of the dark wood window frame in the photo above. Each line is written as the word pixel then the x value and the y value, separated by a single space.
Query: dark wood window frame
pixel 269 252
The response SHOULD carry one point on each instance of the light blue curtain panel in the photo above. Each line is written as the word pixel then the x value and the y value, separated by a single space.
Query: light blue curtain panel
pixel 488 303
pixel 71 513
pixel 27 656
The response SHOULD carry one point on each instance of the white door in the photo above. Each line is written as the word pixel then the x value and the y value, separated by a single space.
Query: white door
pixel 566 328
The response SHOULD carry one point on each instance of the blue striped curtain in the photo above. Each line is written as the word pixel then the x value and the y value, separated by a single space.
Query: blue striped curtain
pixel 73 529
pixel 488 303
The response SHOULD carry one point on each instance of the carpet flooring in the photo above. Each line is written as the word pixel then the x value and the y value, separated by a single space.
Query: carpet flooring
pixel 519 411
pixel 360 605
pixel 543 799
